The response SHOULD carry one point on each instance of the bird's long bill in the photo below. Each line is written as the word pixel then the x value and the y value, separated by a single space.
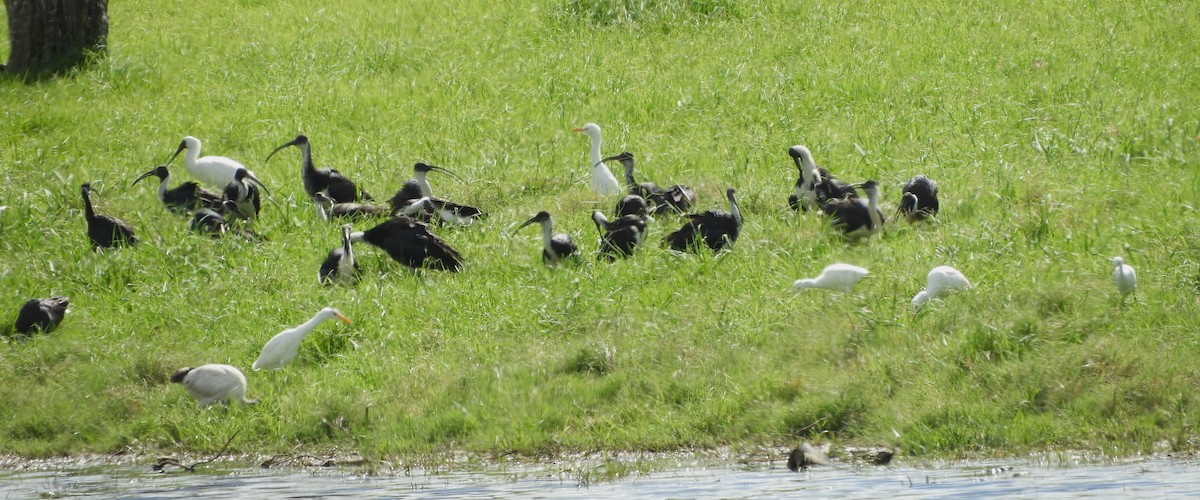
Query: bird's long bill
pixel 344 319
pixel 143 176
pixel 526 223
pixel 182 146
pixel 293 142
pixel 257 182
pixel 577 129
pixel 445 171
pixel 618 157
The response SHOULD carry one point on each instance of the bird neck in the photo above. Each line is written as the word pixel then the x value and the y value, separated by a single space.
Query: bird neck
pixel 87 207
pixel 629 177
pixel 808 170
pixel 547 234
pixel 162 188
pixel 805 283
pixel 426 190
pixel 308 326
pixel 596 158
pixel 921 298
pixel 347 248
pixel 322 212
pixel 733 209
pixel 306 163
pixel 357 236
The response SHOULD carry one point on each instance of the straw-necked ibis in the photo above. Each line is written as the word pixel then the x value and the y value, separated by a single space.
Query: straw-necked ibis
pixel 340 265
pixel 104 231
pixel 183 198
pixel 632 204
pixel 714 228
pixel 1124 277
pixel 816 185
pixel 444 210
pixel 920 199
pixel 619 238
pixel 213 383
pixel 283 347
pixel 335 185
pixel 604 182
pixel 410 242
pixel 41 314
pixel 215 223
pixel 856 217
pixel 215 171
pixel 678 197
pixel 941 281
pixel 837 277
pixel 243 190
pixel 327 209
pixel 555 247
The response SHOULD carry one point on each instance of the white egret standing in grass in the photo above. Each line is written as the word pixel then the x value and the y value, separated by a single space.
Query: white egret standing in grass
pixel 213 383
pixel 282 348
pixel 1124 277
pixel 604 182
pixel 216 171
pixel 837 277
pixel 941 281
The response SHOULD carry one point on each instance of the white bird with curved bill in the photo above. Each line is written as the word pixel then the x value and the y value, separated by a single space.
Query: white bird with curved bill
pixel 216 171
pixel 604 182
pixel 1124 277
pixel 837 277
pixel 282 348
pixel 213 383
pixel 941 281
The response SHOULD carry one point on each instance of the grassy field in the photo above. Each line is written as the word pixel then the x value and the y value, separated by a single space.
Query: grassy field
pixel 1061 134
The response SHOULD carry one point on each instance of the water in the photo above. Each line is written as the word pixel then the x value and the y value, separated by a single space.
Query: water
pixel 1157 477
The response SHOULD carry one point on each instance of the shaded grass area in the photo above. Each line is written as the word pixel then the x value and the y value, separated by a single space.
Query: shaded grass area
pixel 1058 140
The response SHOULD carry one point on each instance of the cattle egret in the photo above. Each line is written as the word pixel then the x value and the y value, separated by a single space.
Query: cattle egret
pixel 1124 277
pixel 283 347
pixel 941 281
pixel 604 182
pixel 213 383
pixel 836 277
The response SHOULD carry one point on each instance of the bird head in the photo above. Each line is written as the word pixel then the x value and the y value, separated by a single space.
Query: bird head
pixel 330 312
pixel 187 142
pixel 541 218
pixel 421 168
pixel 243 175
pixel 159 171
pixel 300 141
pixel 589 129
pixel 177 377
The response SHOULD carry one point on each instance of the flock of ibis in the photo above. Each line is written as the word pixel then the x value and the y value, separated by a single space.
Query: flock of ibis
pixel 405 229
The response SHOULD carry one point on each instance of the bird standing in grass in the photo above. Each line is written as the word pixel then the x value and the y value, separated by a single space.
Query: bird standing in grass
pixel 105 231
pixel 619 238
pixel 41 314
pixel 340 265
pixel 816 186
pixel 941 281
pixel 1124 277
pixel 215 171
pixel 183 198
pixel 920 199
pixel 678 197
pixel 213 383
pixel 283 347
pixel 604 182
pixel 555 247
pixel 713 228
pixel 857 218
pixel 410 242
pixel 837 277
pixel 243 190
pixel 336 186
pixel 327 209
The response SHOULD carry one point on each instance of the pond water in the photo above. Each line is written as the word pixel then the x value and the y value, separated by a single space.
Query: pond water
pixel 1152 477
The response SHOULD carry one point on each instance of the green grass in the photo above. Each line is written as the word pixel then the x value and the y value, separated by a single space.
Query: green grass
pixel 1061 134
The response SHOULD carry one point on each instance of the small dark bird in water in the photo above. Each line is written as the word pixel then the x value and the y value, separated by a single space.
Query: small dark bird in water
pixel 619 238
pixel 678 197
pixel 41 314
pixel 105 231
pixel 714 228
pixel 410 242
pixel 555 247
pixel 805 456
pixel 183 198
pixel 920 199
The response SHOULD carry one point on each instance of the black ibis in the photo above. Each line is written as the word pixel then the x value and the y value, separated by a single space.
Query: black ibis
pixel 604 182
pixel 183 198
pixel 856 217
pixel 215 171
pixel 213 383
pixel 284 346
pixel 678 197
pixel 327 209
pixel 815 185
pixel 715 228
pixel 555 247
pixel 243 191
pixel 410 242
pixel 41 314
pixel 920 199
pixel 619 238
pixel 446 211
pixel 105 231
pixel 340 265
pixel 335 185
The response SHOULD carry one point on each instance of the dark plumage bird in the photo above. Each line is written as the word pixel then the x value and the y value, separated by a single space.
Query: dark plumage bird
pixel 183 198
pixel 41 314
pixel 715 228
pixel 327 209
pixel 815 185
pixel 619 238
pixel 340 265
pixel 105 231
pixel 920 199
pixel 678 197
pixel 438 209
pixel 409 194
pixel 215 223
pixel 632 204
pixel 243 191
pixel 856 217
pixel 335 185
pixel 555 247
pixel 410 242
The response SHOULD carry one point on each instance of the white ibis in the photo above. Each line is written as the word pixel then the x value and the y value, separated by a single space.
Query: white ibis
pixel 678 197
pixel 815 185
pixel 856 217
pixel 340 265
pixel 621 237
pixel 243 190
pixel 920 199
pixel 335 185
pixel 941 281
pixel 715 228
pixel 603 181
pixel 183 198
pixel 555 247
pixel 215 171
pixel 41 314
pixel 213 383
pixel 327 209
pixel 283 347
pixel 837 277
pixel 410 242
pixel 1123 276
pixel 105 231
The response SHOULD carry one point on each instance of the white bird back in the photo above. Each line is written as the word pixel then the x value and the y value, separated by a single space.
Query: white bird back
pixel 215 171
pixel 284 346
pixel 1123 276
pixel 838 277
pixel 941 281
pixel 213 383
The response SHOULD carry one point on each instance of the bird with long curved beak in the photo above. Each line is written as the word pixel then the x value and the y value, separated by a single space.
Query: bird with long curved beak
pixel 416 199
pixel 336 186
pixel 340 265
pixel 183 198
pixel 216 171
pixel 555 247
pixel 243 191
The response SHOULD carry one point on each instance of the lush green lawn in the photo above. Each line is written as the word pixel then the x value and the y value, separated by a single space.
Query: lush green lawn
pixel 1061 134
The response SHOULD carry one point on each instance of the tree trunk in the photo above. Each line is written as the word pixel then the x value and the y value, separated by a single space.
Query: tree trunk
pixel 49 36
